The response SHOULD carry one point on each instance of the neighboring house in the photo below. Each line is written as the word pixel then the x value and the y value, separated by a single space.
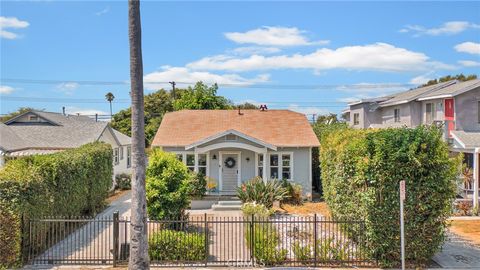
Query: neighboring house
pixel 453 105
pixel 232 146
pixel 39 132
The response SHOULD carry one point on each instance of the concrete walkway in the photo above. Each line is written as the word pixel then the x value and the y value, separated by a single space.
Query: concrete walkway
pixel 457 253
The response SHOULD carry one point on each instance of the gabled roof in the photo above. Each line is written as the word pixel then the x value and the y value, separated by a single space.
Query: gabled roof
pixel 280 128
pixel 60 132
pixel 452 90
pixel 228 132
pixel 410 95
pixel 467 139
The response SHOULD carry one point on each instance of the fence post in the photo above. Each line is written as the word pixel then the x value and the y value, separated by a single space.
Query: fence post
pixel 252 238
pixel 115 237
pixel 207 252
pixel 315 240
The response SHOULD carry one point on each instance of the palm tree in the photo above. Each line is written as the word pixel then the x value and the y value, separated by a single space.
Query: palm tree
pixel 138 225
pixel 110 97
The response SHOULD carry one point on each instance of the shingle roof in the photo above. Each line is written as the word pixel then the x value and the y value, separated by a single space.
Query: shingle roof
pixel 277 127
pixel 122 138
pixel 66 131
pixel 454 89
pixel 9 141
pixel 410 95
pixel 470 139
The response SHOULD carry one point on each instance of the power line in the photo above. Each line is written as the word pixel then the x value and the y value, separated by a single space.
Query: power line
pixel 226 85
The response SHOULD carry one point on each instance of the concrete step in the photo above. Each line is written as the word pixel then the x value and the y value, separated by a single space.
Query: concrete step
pixel 236 202
pixel 220 207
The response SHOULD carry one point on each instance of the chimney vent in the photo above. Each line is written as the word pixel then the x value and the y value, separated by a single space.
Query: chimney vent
pixel 63 110
pixel 263 107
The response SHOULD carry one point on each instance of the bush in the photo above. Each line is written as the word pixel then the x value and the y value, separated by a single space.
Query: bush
pixel 69 183
pixel 265 242
pixel 260 192
pixel 302 253
pixel 259 211
pixel 123 181
pixel 294 192
pixel 10 237
pixel 167 185
pixel 197 185
pixel 361 171
pixel 169 245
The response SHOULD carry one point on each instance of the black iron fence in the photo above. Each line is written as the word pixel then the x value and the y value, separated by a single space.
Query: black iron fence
pixel 201 241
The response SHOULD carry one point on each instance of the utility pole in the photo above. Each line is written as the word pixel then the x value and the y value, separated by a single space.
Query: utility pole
pixel 173 88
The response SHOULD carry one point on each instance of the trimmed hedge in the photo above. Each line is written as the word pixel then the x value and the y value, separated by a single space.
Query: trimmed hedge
pixel 68 183
pixel 361 171
pixel 170 245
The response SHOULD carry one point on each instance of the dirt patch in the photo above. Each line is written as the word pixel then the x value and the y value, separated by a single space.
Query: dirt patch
pixel 306 209
pixel 467 229
pixel 117 194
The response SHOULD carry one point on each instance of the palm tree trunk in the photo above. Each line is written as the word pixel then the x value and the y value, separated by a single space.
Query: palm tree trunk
pixel 138 226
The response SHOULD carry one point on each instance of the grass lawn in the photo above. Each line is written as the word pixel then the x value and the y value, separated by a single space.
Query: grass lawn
pixel 467 229
pixel 306 209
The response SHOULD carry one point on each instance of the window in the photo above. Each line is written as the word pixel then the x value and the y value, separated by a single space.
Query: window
pixel 260 165
pixel 202 164
pixel 280 166
pixel 121 152
pixel 356 118
pixel 286 167
pixel 396 115
pixel 129 156
pixel 190 161
pixel 430 113
pixel 273 166
pixel 115 156
pixel 33 118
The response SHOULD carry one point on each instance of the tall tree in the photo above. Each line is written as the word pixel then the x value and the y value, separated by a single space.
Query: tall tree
pixel 110 97
pixel 458 77
pixel 138 225
pixel 201 97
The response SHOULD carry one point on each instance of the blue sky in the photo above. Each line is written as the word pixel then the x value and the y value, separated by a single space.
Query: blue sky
pixel 312 57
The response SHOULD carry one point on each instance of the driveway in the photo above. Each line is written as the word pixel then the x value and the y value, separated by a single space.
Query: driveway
pixel 457 253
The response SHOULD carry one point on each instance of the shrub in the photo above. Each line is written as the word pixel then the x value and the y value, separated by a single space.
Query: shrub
pixel 464 207
pixel 169 245
pixel 69 183
pixel 197 185
pixel 294 192
pixel 302 253
pixel 123 181
pixel 167 186
pixel 260 192
pixel 259 211
pixel 10 237
pixel 361 171
pixel 265 242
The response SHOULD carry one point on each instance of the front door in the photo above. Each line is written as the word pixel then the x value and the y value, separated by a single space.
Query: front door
pixel 229 172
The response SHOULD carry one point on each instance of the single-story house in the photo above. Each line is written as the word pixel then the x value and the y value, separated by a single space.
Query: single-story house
pixel 233 146
pixel 39 132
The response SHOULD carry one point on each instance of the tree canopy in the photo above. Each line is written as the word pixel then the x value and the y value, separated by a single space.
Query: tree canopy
pixel 459 77
pixel 201 97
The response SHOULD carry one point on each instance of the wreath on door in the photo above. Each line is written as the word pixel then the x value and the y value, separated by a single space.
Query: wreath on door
pixel 230 162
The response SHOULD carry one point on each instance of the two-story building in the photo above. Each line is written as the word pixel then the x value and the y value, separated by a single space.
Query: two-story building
pixel 454 105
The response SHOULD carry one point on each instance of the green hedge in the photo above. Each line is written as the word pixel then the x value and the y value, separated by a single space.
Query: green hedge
pixel 361 171
pixel 170 245
pixel 69 183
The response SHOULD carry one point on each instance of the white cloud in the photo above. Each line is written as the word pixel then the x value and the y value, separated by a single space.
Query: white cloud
pixel 11 22
pixel 421 79
pixel 67 87
pixel 448 28
pixel 255 50
pixel 5 89
pixel 273 36
pixel 184 77
pixel 103 11
pixel 468 47
pixel 84 111
pixel 369 90
pixel 309 110
pixel 469 63
pixel 378 56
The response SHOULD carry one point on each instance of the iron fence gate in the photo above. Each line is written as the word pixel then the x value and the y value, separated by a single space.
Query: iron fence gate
pixel 201 241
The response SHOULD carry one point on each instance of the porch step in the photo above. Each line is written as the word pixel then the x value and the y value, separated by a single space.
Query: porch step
pixel 227 206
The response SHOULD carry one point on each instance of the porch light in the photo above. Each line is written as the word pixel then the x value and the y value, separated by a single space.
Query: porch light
pixel 214 157
pixel 248 159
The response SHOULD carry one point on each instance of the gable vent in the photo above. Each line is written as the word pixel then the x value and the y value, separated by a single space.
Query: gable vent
pixel 230 137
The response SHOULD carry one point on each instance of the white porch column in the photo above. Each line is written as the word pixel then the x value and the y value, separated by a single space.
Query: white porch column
pixel 264 171
pixel 196 161
pixel 476 167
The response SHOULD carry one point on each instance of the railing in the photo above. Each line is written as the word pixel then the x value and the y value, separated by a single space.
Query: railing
pixel 201 241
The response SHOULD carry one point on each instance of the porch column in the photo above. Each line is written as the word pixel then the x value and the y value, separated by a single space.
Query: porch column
pixel 476 168
pixel 264 171
pixel 196 162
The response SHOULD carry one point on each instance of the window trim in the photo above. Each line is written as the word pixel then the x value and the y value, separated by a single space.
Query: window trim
pixel 116 157
pixel 195 160
pixel 280 164
pixel 433 112
pixel 129 156
pixel 395 118
pixel 356 120
pixel 33 118
pixel 121 152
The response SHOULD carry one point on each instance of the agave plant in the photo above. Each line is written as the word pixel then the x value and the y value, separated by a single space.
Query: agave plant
pixel 262 192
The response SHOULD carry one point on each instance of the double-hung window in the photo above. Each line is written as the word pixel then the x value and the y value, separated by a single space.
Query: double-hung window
pixel 115 156
pixel 121 152
pixel 129 156
pixel 396 115
pixel 429 113
pixel 280 166
pixel 190 161
pixel 356 118
pixel 260 165
pixel 202 164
